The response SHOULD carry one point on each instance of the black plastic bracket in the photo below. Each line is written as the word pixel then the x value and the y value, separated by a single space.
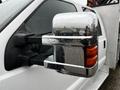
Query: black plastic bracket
pixel 25 49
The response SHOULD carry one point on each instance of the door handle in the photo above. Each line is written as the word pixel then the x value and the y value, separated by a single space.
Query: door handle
pixel 104 44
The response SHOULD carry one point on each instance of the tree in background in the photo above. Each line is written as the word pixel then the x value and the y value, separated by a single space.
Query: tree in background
pixel 92 3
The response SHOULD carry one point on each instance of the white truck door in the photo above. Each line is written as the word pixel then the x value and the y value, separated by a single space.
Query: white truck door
pixel 102 43
pixel 109 13
pixel 38 77
pixel 35 77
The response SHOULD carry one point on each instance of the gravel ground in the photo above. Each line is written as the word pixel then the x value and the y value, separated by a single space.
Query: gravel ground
pixel 113 81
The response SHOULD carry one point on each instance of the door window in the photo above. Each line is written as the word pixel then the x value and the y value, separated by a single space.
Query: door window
pixel 41 20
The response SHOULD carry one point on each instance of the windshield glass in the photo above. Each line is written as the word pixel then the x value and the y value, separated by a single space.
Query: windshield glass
pixel 9 9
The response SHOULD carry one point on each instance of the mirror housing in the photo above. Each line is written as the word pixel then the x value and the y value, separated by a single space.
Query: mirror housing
pixel 74 38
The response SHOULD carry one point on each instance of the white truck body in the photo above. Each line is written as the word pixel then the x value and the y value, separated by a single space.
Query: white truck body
pixel 40 78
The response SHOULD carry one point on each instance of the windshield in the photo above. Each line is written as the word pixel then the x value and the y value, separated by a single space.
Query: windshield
pixel 9 9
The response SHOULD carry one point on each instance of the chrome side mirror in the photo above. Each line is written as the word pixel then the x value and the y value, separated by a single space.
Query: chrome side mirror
pixel 74 38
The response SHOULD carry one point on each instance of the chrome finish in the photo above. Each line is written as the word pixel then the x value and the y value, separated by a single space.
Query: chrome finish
pixel 74 55
pixel 63 40
pixel 81 70
pixel 72 32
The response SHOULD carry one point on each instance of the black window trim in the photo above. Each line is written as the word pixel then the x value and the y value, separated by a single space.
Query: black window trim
pixel 100 31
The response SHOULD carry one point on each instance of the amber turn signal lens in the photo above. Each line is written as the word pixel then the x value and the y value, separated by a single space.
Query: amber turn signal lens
pixel 91 56
pixel 91 51
pixel 91 62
